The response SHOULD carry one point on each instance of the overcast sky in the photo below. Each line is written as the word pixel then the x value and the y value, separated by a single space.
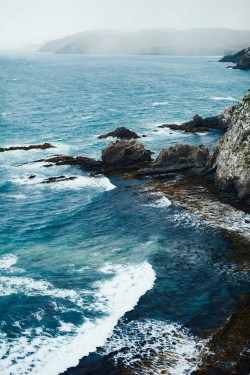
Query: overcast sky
pixel 34 21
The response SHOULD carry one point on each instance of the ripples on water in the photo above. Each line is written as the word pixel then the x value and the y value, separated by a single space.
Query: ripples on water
pixel 80 256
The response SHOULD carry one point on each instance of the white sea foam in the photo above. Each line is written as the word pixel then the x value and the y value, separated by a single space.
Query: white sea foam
pixel 158 200
pixel 100 183
pixel 86 117
pixel 159 104
pixel 226 98
pixel 4 114
pixel 213 213
pixel 165 345
pixel 44 354
pixel 30 287
pixel 17 196
pixel 7 261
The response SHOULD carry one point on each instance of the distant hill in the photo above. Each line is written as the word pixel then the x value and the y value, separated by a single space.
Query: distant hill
pixel 33 47
pixel 156 41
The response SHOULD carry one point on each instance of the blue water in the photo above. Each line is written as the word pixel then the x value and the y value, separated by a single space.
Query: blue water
pixel 87 260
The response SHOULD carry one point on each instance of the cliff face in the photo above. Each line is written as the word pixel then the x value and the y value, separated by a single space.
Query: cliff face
pixel 241 59
pixel 231 155
pixel 244 61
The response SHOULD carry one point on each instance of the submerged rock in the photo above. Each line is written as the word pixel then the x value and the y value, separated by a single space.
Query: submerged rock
pixel 198 124
pixel 43 146
pixel 122 133
pixel 230 156
pixel 58 179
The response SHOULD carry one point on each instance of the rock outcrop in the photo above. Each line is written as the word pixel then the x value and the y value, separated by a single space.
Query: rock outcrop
pixel 82 162
pixel 230 156
pixel 198 124
pixel 177 158
pixel 117 157
pixel 121 133
pixel 241 59
pixel 43 146
pixel 122 154
pixel 50 180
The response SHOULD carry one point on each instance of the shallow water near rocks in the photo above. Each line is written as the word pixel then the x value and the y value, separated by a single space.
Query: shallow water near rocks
pixel 91 271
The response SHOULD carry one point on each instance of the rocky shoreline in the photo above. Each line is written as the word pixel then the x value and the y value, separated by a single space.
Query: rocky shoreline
pixel 227 163
pixel 212 184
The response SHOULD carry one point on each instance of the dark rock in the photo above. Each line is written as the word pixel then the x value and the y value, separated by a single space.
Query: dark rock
pixel 121 133
pixel 233 58
pixel 124 153
pixel 80 161
pixel 32 176
pixel 57 179
pixel 198 124
pixel 176 158
pixel 241 59
pixel 43 146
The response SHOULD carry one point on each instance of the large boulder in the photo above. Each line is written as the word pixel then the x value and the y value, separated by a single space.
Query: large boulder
pixel 122 133
pixel 122 153
pixel 231 155
pixel 182 157
pixel 177 158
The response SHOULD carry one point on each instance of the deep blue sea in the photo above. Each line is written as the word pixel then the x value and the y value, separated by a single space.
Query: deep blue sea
pixel 90 271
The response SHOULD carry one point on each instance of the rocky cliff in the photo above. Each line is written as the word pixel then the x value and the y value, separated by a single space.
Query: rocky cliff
pixel 241 59
pixel 231 155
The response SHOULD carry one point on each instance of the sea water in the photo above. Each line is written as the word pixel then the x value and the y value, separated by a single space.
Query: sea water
pixel 91 271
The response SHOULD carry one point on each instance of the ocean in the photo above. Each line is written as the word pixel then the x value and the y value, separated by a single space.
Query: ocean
pixel 94 277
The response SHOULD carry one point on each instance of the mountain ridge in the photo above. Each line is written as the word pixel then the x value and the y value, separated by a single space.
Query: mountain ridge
pixel 165 41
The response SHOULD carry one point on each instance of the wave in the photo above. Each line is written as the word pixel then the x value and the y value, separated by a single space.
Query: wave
pixel 4 114
pixel 159 200
pixel 39 353
pixel 226 99
pixel 164 346
pixel 30 288
pixel 7 261
pixel 159 104
pixel 99 183
pixel 80 182
pixel 17 196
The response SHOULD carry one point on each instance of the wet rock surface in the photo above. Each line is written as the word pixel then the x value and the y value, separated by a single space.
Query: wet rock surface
pixel 125 156
pixel 198 124
pixel 80 161
pixel 121 133
pixel 43 146
pixel 58 179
